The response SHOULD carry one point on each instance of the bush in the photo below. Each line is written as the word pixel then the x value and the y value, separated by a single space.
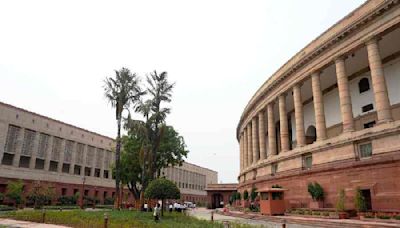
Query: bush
pixel 316 191
pixel 6 208
pixel 90 201
pixel 359 201
pixel 316 213
pixel 109 201
pixel 14 191
pixel 1 197
pixel 253 194
pixel 325 213
pixel 300 212
pixel 67 200
pixel 397 217
pixel 102 206
pixel 65 207
pixel 383 216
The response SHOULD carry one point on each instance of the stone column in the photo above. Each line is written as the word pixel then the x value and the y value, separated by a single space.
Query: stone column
pixel 344 96
pixel 32 162
pixel 18 148
pixel 283 123
pixel 299 116
pixel 256 147
pixel 241 152
pixel 261 134
pixel 318 107
pixel 61 158
pixel 249 145
pixel 245 148
pixel 378 82
pixel 271 130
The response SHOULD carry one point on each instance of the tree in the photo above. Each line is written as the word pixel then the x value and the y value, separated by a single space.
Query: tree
pixel 340 206
pixel 316 191
pixel 121 92
pixel 245 195
pixel 253 194
pixel 40 195
pixel 162 189
pixel 14 191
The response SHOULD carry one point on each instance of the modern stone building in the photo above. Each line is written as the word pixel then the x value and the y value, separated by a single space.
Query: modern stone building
pixel 37 148
pixel 331 114
pixel 191 180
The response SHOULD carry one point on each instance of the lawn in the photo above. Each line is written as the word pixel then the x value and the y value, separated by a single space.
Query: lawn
pixel 117 219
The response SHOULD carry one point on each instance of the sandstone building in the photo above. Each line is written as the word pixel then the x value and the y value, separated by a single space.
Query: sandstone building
pixel 35 148
pixel 331 114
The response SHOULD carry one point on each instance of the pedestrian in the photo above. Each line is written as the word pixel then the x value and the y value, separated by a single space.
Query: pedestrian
pixel 170 207
pixel 156 212
pixel 146 207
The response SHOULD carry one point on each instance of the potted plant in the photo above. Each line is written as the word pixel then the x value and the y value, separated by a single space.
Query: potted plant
pixel 317 194
pixel 360 204
pixel 340 207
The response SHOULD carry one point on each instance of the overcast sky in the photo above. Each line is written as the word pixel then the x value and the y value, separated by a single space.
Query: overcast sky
pixel 54 56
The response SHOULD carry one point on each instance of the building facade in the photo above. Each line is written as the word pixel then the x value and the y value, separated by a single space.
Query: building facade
pixel 35 148
pixel 218 195
pixel 331 115
pixel 191 180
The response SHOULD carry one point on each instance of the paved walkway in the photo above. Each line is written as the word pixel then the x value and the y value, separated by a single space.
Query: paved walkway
pixel 10 223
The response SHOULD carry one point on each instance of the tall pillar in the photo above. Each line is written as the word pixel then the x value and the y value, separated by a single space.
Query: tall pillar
pixel 241 151
pixel 256 147
pixel 48 153
pixel 249 146
pixel 271 130
pixel 344 96
pixel 378 82
pixel 318 107
pixel 299 116
pixel 32 162
pixel 245 148
pixel 261 134
pixel 73 158
pixel 18 148
pixel 283 123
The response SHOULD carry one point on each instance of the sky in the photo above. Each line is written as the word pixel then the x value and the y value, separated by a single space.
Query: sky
pixel 55 55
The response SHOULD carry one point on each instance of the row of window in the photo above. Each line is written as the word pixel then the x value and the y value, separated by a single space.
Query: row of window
pixel 364 151
pixel 190 186
pixel 96 157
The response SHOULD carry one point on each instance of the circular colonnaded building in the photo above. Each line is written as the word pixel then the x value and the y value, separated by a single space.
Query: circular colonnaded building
pixel 331 115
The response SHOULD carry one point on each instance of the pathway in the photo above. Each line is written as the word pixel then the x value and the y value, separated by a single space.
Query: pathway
pixel 10 223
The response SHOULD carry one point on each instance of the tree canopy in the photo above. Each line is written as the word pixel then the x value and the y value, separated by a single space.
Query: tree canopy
pixel 162 188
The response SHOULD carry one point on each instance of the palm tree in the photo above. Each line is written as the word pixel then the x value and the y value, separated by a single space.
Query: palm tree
pixel 121 91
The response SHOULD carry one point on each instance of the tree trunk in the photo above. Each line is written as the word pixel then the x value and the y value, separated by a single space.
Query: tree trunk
pixel 117 165
pixel 162 207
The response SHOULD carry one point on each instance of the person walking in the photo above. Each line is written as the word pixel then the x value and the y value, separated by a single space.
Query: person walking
pixel 156 212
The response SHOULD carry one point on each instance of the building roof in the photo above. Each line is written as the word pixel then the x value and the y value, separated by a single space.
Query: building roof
pixel 51 119
pixel 222 187
pixel 200 167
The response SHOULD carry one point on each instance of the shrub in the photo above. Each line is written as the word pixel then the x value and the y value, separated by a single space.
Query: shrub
pixel 65 207
pixel 397 217
pixel 67 200
pixel 359 201
pixel 14 191
pixel 325 213
pixel 383 216
pixel 316 191
pixel 316 213
pixel 1 197
pixel 341 199
pixel 109 201
pixel 300 212
pixel 6 208
pixel 307 212
pixel 245 195
pixel 88 200
pixel 276 186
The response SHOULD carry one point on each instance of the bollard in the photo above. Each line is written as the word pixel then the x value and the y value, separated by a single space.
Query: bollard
pixel 43 215
pixel 105 220
pixel 226 224
pixel 212 216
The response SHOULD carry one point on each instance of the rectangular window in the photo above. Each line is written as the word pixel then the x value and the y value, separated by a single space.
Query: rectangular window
pixel 27 146
pixel 107 159
pixel 7 159
pixel 63 191
pixel 86 192
pixel 24 161
pixel 367 108
pixel 12 139
pixel 53 166
pixel 65 168
pixel 39 163
pixel 105 174
pixel 87 171
pixel 43 146
pixel 369 124
pixel 97 172
pixel 89 156
pixel 99 157
pixel 264 195
pixel 365 150
pixel 307 161
pixel 75 191
pixel 274 168
pixel 77 170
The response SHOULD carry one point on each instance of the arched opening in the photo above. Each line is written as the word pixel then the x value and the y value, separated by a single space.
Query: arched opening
pixel 311 135
pixel 363 85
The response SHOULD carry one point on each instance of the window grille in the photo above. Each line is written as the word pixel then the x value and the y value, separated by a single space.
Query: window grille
pixel 274 168
pixel 68 151
pixel 365 150
pixel 107 159
pixel 43 145
pixel 99 157
pixel 12 139
pixel 27 146
pixel 90 156
pixel 55 155
pixel 79 153
pixel 363 85
pixel 307 161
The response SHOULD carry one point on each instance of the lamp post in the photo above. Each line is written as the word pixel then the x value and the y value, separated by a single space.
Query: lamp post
pixel 82 192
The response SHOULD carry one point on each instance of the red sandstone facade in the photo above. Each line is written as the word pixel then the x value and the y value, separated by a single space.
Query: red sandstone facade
pixel 331 115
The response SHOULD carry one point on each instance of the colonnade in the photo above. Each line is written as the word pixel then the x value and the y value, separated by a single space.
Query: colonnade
pixel 252 137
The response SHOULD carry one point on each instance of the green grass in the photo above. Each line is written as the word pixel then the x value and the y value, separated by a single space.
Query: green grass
pixel 117 219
